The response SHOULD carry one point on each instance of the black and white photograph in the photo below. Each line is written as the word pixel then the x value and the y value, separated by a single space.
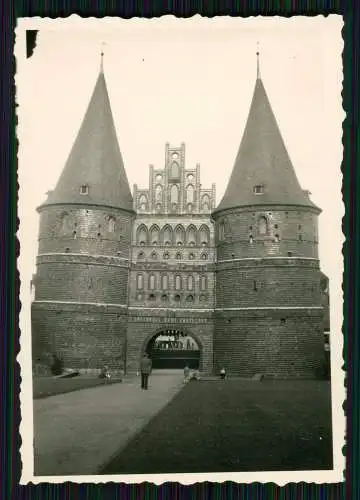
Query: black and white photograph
pixel 181 240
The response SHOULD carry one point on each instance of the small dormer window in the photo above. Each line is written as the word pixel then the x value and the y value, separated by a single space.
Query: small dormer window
pixel 258 189
pixel 84 189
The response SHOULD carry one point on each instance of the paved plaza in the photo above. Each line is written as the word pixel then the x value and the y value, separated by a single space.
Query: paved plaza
pixel 76 433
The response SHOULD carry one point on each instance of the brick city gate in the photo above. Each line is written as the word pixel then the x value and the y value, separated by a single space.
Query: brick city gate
pixel 171 348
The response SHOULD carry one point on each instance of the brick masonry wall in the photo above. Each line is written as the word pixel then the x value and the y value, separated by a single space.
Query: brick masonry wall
pixel 84 230
pixel 275 268
pixel 184 298
pixel 83 258
pixel 83 336
pixel 145 324
pixel 289 229
pixel 159 259
pixel 279 344
pixel 266 283
pixel 83 254
pixel 67 278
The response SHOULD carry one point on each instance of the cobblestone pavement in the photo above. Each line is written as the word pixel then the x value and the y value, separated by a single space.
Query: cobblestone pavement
pixel 77 432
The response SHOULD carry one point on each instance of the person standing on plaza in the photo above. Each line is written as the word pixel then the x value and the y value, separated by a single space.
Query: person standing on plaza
pixel 145 369
pixel 186 373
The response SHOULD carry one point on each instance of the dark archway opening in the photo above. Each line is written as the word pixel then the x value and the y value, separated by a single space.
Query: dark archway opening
pixel 173 349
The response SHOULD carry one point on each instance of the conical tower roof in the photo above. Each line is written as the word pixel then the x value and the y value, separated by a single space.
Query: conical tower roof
pixel 94 173
pixel 262 163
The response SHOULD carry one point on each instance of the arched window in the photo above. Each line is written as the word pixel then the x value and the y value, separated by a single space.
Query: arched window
pixel 158 193
pixel 174 194
pixel 191 235
pixel 111 224
pixel 251 239
pixel 190 282
pixel 154 235
pixel 203 283
pixel 141 255
pixel 142 235
pixel 179 235
pixel 143 202
pixel 205 202
pixel 154 256
pixel 221 230
pixel 178 256
pixel 166 255
pixel 204 235
pixel 140 282
pixel 263 225
pixel 204 256
pixel 164 282
pixel 178 283
pixel 65 222
pixel 191 256
pixel 190 191
pixel 175 170
pixel 167 235
pixel 152 282
pixel 190 298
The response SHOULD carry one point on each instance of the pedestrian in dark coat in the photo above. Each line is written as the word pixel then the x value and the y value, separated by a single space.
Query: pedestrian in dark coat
pixel 145 369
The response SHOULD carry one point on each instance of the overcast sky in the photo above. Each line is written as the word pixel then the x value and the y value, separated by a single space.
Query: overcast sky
pixel 186 81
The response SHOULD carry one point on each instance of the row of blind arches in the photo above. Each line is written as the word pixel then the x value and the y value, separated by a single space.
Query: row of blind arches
pixel 179 283
pixel 169 236
pixel 175 197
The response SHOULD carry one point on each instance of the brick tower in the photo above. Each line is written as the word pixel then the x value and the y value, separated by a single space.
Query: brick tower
pixel 269 315
pixel 80 307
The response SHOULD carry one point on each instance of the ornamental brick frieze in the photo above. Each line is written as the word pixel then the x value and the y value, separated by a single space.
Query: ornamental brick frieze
pixel 277 313
pixel 163 266
pixel 267 262
pixel 101 260
pixel 157 315
pixel 119 310
pixel 241 211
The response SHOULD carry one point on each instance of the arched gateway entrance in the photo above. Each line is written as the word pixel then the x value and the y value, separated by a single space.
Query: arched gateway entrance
pixel 171 348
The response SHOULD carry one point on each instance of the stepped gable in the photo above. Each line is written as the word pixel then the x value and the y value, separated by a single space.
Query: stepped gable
pixel 94 173
pixel 263 161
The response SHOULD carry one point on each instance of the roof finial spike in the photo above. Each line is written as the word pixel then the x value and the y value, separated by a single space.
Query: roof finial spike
pixel 102 58
pixel 258 62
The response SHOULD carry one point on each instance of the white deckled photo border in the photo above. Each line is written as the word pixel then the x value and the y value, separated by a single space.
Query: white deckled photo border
pixel 326 181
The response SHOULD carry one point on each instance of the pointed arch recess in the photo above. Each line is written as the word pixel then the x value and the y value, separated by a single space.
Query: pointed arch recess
pixel 142 235
pixel 179 234
pixel 190 194
pixel 154 234
pixel 167 235
pixel 191 235
pixel 174 194
pixel 205 202
pixel 204 233
pixel 263 225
